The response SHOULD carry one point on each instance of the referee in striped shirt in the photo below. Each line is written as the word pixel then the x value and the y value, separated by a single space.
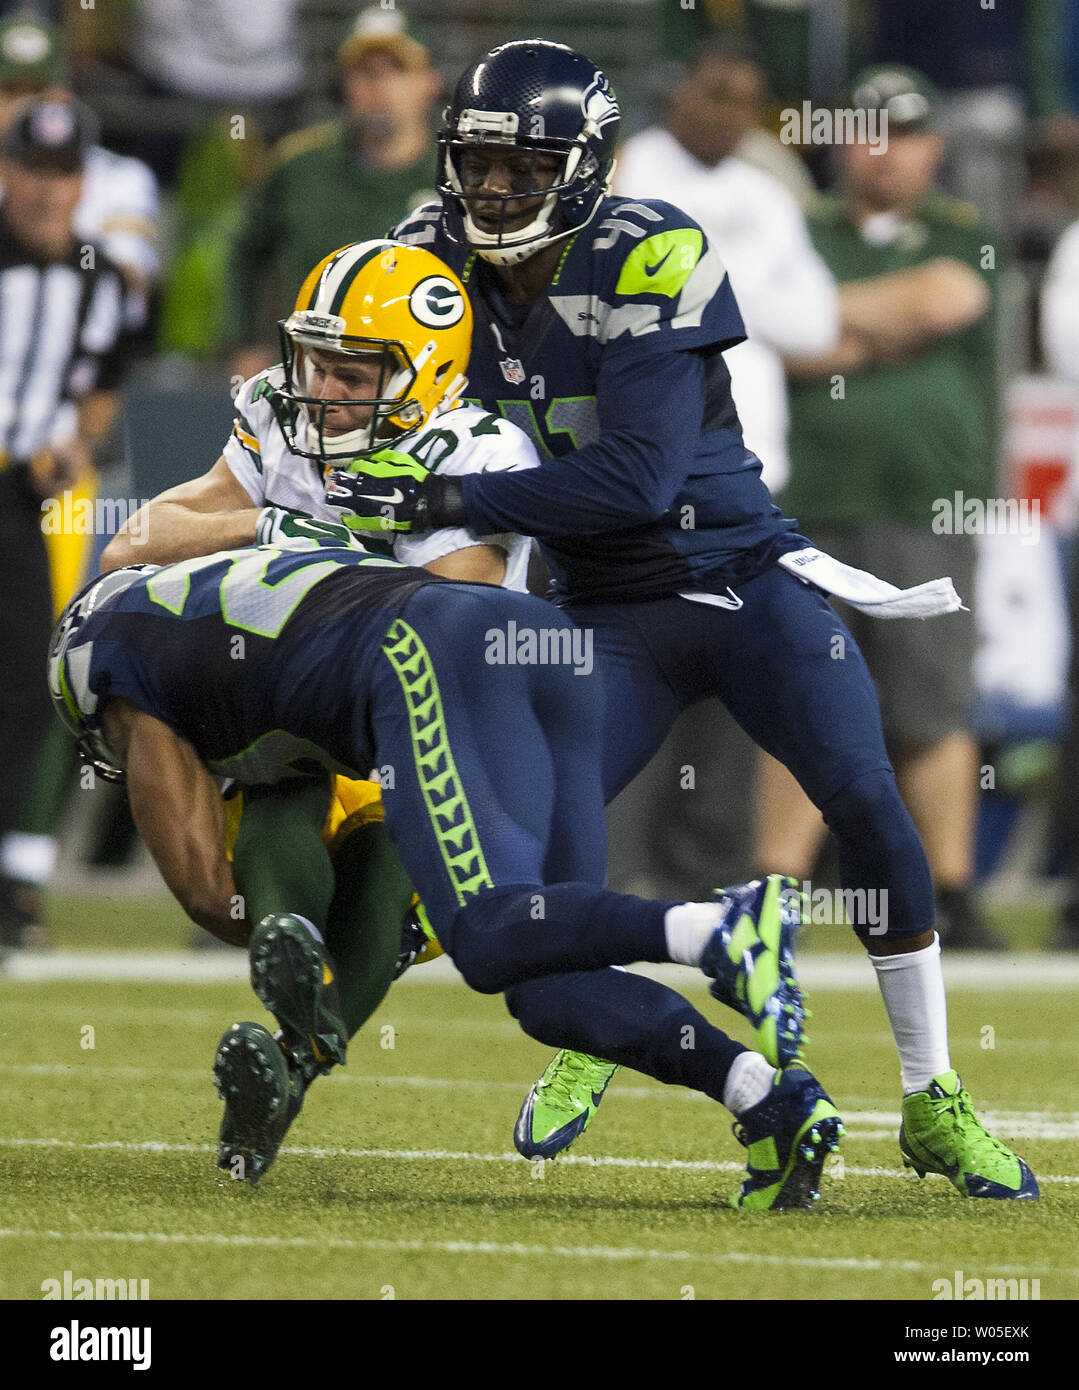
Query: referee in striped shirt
pixel 63 345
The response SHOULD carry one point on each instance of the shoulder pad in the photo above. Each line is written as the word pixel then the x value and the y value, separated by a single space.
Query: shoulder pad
pixel 421 226
pixel 636 217
pixel 654 247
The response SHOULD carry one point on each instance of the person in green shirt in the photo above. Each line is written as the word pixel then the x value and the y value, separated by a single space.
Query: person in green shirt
pixel 899 416
pixel 345 180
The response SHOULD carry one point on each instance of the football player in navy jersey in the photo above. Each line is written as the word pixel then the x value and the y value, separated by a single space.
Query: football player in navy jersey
pixel 352 660
pixel 600 325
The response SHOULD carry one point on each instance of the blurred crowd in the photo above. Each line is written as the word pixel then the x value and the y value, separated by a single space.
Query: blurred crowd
pixel 906 307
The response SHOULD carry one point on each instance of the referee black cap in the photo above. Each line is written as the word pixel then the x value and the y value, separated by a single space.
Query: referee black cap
pixel 52 136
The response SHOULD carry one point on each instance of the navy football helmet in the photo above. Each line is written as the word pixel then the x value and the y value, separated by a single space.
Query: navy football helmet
pixel 68 669
pixel 534 98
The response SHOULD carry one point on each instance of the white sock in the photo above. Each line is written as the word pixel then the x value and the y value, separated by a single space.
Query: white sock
pixel 689 927
pixel 29 858
pixel 912 986
pixel 748 1082
pixel 310 927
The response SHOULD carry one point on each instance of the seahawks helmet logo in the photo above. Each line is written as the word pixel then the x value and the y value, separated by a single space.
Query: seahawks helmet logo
pixel 437 302
pixel 599 103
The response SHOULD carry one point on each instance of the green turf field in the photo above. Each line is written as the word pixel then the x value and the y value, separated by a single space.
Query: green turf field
pixel 399 1178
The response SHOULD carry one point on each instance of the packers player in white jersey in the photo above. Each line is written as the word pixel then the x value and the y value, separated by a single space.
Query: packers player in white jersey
pixel 389 326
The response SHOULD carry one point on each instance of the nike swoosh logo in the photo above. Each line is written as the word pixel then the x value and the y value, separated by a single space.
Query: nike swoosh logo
pixel 651 269
pixel 596 1098
pixel 335 489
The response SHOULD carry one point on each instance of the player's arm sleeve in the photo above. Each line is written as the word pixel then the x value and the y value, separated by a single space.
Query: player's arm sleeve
pixel 628 476
pixel 663 304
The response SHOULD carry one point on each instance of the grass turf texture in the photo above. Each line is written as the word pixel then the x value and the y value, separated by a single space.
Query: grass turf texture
pixel 158 924
pixel 400 1174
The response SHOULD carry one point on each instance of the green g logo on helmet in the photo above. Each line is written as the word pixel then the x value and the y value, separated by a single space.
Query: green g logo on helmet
pixel 437 302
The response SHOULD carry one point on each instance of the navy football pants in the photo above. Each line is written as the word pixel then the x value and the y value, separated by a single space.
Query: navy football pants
pixel 793 677
pixel 495 806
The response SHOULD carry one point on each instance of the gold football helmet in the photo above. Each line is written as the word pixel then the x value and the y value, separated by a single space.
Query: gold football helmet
pixel 396 321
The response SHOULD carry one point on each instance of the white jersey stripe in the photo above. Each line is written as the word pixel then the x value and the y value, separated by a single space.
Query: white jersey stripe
pixel 104 316
pixel 18 296
pixel 57 316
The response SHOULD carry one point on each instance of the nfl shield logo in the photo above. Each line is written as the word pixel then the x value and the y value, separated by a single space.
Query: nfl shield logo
pixel 513 370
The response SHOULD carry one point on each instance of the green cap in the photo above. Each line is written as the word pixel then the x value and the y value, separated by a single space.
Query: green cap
pixel 906 96
pixel 31 51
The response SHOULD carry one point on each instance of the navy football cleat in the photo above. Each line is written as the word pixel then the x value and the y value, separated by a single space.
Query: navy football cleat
pixel 789 1134
pixel 750 960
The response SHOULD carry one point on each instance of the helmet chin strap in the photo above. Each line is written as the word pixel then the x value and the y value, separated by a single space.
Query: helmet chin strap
pixel 536 236
pixel 351 441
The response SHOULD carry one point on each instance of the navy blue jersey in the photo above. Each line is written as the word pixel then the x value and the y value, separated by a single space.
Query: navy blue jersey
pixel 616 372
pixel 259 657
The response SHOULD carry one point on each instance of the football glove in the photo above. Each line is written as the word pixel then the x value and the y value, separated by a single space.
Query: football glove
pixel 400 503
pixel 279 525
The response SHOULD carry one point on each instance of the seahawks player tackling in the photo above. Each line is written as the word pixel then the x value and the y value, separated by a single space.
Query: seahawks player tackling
pixel 600 329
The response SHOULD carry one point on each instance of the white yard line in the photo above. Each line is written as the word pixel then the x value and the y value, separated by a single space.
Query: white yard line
pixel 686 1165
pixel 822 971
pixel 884 1124
pixel 514 1249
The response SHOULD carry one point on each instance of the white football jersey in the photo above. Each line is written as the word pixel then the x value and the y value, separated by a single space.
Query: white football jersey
pixel 463 440
pixel 120 208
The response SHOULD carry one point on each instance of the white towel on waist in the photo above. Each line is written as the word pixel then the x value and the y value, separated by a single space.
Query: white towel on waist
pixel 866 592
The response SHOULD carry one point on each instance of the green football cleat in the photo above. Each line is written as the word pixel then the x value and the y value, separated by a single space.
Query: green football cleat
pixel 263 1091
pixel 940 1133
pixel 750 960
pixel 558 1108
pixel 294 978
pixel 789 1134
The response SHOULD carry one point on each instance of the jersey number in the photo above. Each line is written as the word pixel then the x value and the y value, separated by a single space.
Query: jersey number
pixel 247 600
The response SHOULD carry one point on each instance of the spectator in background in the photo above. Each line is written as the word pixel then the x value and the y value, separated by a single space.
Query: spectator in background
pixel 346 180
pixel 901 413
pixel 64 340
pixel 977 56
pixel 232 56
pixel 119 206
pixel 786 294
